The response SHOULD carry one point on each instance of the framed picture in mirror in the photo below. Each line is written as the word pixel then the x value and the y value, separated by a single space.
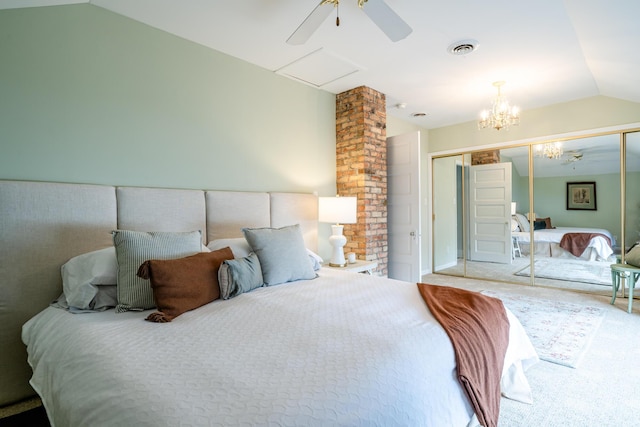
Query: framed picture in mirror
pixel 581 196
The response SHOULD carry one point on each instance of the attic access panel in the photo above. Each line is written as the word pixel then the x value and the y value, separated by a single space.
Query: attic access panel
pixel 319 68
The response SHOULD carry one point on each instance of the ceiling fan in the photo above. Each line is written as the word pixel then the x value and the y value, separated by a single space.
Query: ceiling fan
pixel 377 10
pixel 572 157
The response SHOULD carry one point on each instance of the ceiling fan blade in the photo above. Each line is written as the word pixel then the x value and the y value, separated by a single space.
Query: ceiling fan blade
pixel 310 24
pixel 387 20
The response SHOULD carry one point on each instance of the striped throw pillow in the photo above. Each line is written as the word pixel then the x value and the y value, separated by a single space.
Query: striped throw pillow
pixel 134 248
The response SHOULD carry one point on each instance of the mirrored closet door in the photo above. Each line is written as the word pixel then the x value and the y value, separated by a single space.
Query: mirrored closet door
pixel 474 195
pixel 576 206
pixel 632 190
pixel 448 214
pixel 557 193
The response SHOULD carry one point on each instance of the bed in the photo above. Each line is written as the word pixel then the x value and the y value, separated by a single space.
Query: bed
pixel 337 349
pixel 548 242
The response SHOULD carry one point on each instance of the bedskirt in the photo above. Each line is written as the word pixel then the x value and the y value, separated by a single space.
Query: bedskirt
pixel 549 249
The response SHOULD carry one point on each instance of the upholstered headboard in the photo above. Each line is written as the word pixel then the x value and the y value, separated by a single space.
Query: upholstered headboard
pixel 43 225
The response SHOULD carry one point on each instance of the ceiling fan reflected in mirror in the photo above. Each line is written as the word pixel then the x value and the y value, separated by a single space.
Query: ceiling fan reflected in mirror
pixel 572 157
pixel 377 10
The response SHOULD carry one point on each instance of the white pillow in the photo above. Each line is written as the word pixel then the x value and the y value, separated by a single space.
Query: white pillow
pixel 316 260
pixel 523 222
pixel 514 225
pixel 238 245
pixel 89 280
pixel 83 275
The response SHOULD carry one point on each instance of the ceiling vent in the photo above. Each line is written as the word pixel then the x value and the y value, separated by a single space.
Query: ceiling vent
pixel 463 47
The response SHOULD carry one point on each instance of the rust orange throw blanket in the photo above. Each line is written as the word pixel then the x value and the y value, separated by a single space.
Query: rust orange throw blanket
pixel 576 243
pixel 478 328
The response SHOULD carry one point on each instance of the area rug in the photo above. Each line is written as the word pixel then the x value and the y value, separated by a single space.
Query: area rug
pixel 594 272
pixel 561 332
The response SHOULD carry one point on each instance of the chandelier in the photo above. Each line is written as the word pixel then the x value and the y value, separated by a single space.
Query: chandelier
pixel 502 115
pixel 550 150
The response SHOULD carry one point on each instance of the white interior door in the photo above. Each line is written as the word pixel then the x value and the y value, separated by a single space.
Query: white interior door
pixel 490 213
pixel 403 206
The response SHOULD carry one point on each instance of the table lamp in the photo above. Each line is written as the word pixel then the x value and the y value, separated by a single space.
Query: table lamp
pixel 337 210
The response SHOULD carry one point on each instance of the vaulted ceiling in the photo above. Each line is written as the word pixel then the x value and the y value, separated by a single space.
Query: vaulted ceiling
pixel 547 51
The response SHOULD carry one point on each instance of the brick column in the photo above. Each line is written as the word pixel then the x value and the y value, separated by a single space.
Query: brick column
pixel 485 157
pixel 361 168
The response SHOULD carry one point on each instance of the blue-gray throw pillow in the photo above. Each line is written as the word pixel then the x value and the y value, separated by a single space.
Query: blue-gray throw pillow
pixel 282 254
pixel 240 275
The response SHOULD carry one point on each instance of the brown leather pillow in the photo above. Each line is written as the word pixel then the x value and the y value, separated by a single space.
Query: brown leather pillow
pixel 183 284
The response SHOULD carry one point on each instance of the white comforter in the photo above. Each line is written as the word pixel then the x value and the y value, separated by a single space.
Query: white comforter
pixel 554 235
pixel 343 349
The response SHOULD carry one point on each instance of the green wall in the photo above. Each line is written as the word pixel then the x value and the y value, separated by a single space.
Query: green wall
pixel 89 96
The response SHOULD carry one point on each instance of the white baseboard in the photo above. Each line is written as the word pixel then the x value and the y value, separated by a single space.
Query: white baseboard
pixel 448 265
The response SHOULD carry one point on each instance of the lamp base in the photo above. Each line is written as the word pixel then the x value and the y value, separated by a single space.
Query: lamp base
pixel 338 241
pixel 337 265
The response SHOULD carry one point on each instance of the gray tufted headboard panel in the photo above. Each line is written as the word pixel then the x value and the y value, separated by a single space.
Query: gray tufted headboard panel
pixel 44 224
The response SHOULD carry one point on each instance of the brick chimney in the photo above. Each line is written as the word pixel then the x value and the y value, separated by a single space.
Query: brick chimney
pixel 361 167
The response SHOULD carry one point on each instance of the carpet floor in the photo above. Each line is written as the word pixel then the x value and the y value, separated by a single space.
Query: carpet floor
pixel 560 331
pixel 597 273
pixel 509 273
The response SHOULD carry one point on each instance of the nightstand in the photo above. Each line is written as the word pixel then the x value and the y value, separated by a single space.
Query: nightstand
pixel 359 266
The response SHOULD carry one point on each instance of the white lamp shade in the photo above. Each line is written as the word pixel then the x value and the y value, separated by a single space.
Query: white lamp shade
pixel 513 208
pixel 338 210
